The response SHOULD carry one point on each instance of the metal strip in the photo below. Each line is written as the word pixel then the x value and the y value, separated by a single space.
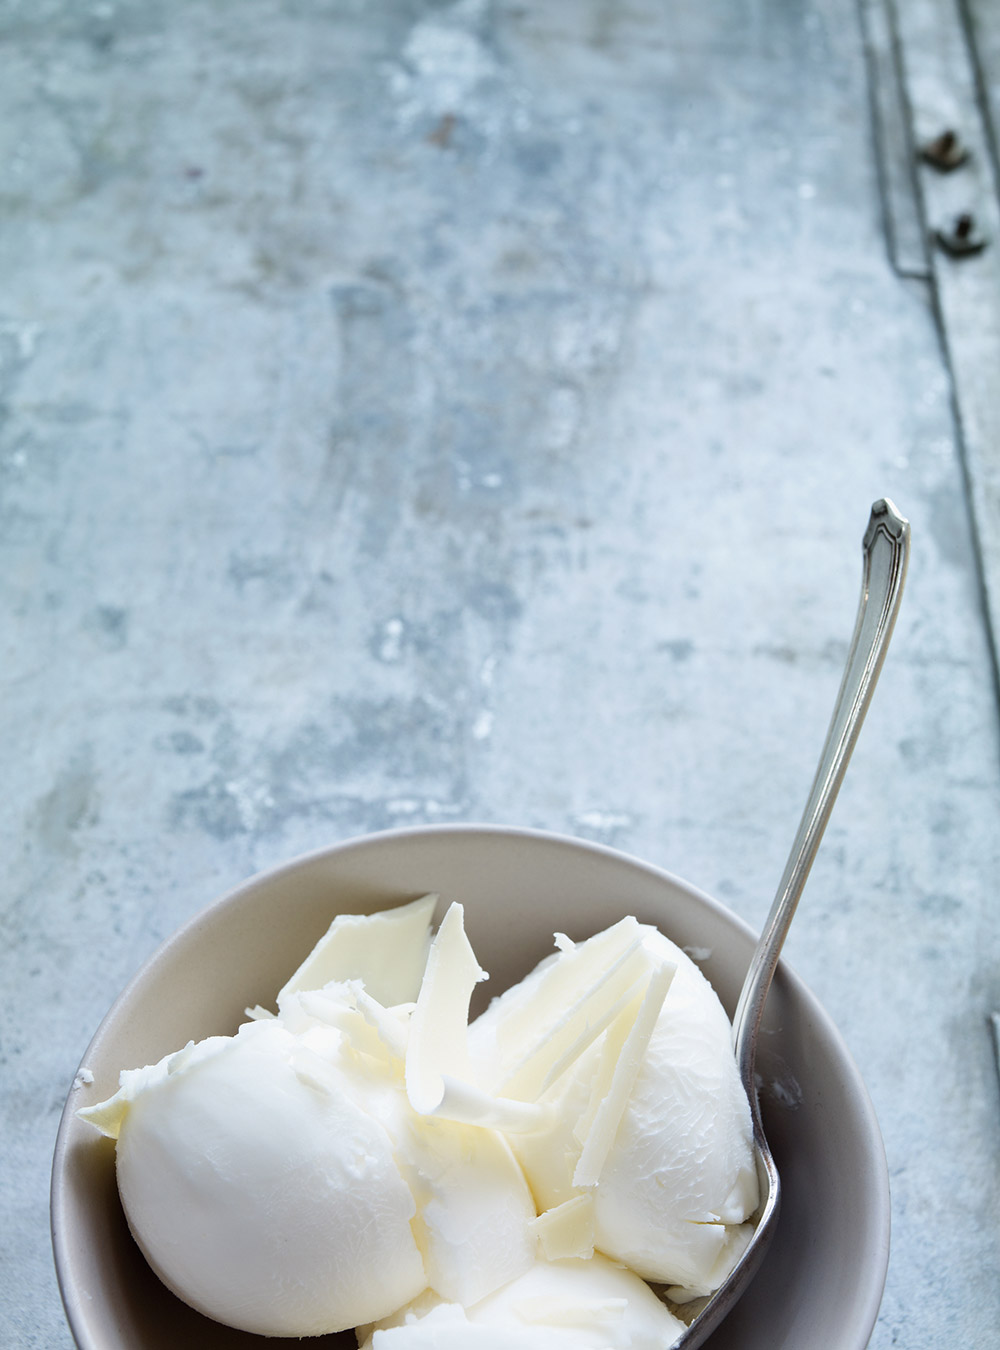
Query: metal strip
pixel 940 84
pixel 906 235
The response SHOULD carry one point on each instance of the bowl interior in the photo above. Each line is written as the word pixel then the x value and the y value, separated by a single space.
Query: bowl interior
pixel 822 1279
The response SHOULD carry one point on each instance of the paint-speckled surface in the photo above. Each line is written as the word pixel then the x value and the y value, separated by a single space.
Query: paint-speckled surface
pixel 430 412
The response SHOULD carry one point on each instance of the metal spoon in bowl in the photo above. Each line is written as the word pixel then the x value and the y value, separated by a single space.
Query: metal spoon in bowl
pixel 886 552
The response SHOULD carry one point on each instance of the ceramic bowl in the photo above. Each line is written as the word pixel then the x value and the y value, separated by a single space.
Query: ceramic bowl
pixel 822 1278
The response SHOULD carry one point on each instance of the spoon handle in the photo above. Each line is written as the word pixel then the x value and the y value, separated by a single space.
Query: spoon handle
pixel 886 553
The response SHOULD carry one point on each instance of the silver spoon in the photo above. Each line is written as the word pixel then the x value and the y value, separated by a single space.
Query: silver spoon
pixel 886 552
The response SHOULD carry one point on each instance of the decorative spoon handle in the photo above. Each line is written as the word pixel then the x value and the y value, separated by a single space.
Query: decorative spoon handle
pixel 886 553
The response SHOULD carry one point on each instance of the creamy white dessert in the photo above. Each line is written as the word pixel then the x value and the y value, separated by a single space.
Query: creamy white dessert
pixel 262 1187
pixel 365 1158
pixel 678 1184
pixel 565 1305
pixel 279 1181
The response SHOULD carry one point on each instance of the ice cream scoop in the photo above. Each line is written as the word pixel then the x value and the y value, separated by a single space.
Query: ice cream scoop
pixel 261 1188
pixel 678 1181
pixel 561 1305
pixel 281 1182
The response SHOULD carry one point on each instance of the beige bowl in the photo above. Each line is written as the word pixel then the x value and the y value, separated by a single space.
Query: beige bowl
pixel 822 1279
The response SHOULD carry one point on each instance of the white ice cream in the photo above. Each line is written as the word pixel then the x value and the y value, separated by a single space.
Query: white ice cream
pixel 564 1305
pixel 280 1181
pixel 679 1181
pixel 366 1157
pixel 263 1189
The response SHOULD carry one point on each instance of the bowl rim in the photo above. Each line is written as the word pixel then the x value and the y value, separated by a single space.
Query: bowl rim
pixel 867 1294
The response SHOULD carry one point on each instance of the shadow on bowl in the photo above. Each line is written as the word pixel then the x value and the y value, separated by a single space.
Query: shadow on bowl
pixel 822 1279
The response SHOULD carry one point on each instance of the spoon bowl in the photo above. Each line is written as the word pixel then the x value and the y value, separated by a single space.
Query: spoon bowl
pixel 821 1280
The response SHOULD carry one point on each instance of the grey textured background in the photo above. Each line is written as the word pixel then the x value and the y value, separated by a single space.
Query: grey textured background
pixel 426 412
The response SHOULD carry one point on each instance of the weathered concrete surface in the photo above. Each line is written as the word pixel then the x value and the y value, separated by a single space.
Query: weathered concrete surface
pixel 425 412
